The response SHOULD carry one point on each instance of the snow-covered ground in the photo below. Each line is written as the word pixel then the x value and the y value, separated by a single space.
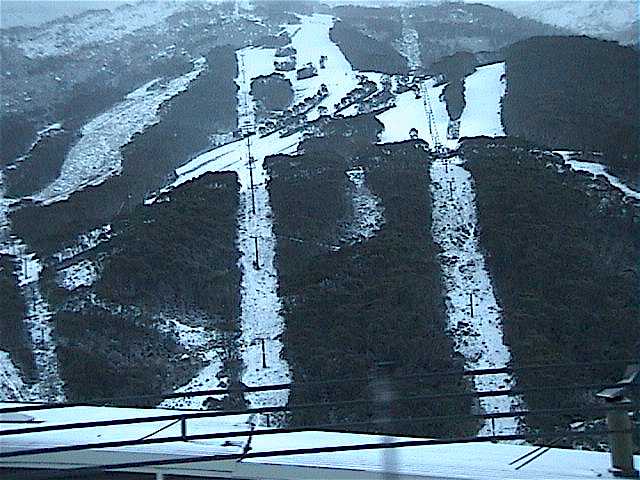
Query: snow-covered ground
pixel 471 461
pixel 597 170
pixel 84 243
pixel 410 112
pixel 96 156
pixel 252 62
pixel 198 341
pixel 11 385
pixel 409 47
pixel 367 208
pixel 483 91
pixel 262 324
pixel 311 40
pixel 27 270
pixel 49 385
pixel 478 336
pixel 99 27
pixel 81 274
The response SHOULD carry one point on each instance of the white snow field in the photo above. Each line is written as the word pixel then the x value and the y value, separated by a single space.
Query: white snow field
pixel 96 156
pixel 483 91
pixel 367 207
pixel 411 112
pixel 470 461
pixel 597 170
pixel 252 63
pixel 11 385
pixel 311 40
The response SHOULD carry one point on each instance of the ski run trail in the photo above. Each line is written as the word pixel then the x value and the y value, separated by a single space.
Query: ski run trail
pixel 48 384
pixel 474 317
pixel 597 170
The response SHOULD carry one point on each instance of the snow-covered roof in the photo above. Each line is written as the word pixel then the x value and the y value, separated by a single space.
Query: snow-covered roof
pixel 454 461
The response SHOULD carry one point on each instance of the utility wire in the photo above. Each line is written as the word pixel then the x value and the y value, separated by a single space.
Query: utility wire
pixel 272 409
pixel 306 385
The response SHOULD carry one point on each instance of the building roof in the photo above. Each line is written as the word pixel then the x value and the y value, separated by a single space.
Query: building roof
pixel 454 461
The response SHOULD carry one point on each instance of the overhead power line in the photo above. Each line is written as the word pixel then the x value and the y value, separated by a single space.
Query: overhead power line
pixel 305 385
pixel 285 408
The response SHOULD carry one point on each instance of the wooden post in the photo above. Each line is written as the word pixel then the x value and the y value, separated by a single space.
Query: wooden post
pixel 264 354
pixel 253 195
pixel 471 303
pixel 183 429
pixel 256 262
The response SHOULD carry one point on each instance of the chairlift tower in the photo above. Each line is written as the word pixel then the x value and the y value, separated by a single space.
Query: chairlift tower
pixel 433 128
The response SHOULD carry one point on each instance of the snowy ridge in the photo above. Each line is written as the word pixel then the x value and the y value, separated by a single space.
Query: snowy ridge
pixel 64 37
pixel 367 207
pixel 97 155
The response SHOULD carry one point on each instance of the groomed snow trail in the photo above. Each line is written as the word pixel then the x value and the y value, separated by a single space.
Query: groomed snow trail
pixel 96 156
pixel 483 90
pixel 478 337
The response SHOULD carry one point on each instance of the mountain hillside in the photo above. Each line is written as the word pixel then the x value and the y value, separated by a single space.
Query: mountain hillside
pixel 574 93
pixel 608 19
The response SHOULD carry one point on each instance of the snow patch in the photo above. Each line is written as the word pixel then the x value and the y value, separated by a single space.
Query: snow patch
pixel 367 208
pixel 84 243
pixel 597 169
pixel 81 274
pixel 11 385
